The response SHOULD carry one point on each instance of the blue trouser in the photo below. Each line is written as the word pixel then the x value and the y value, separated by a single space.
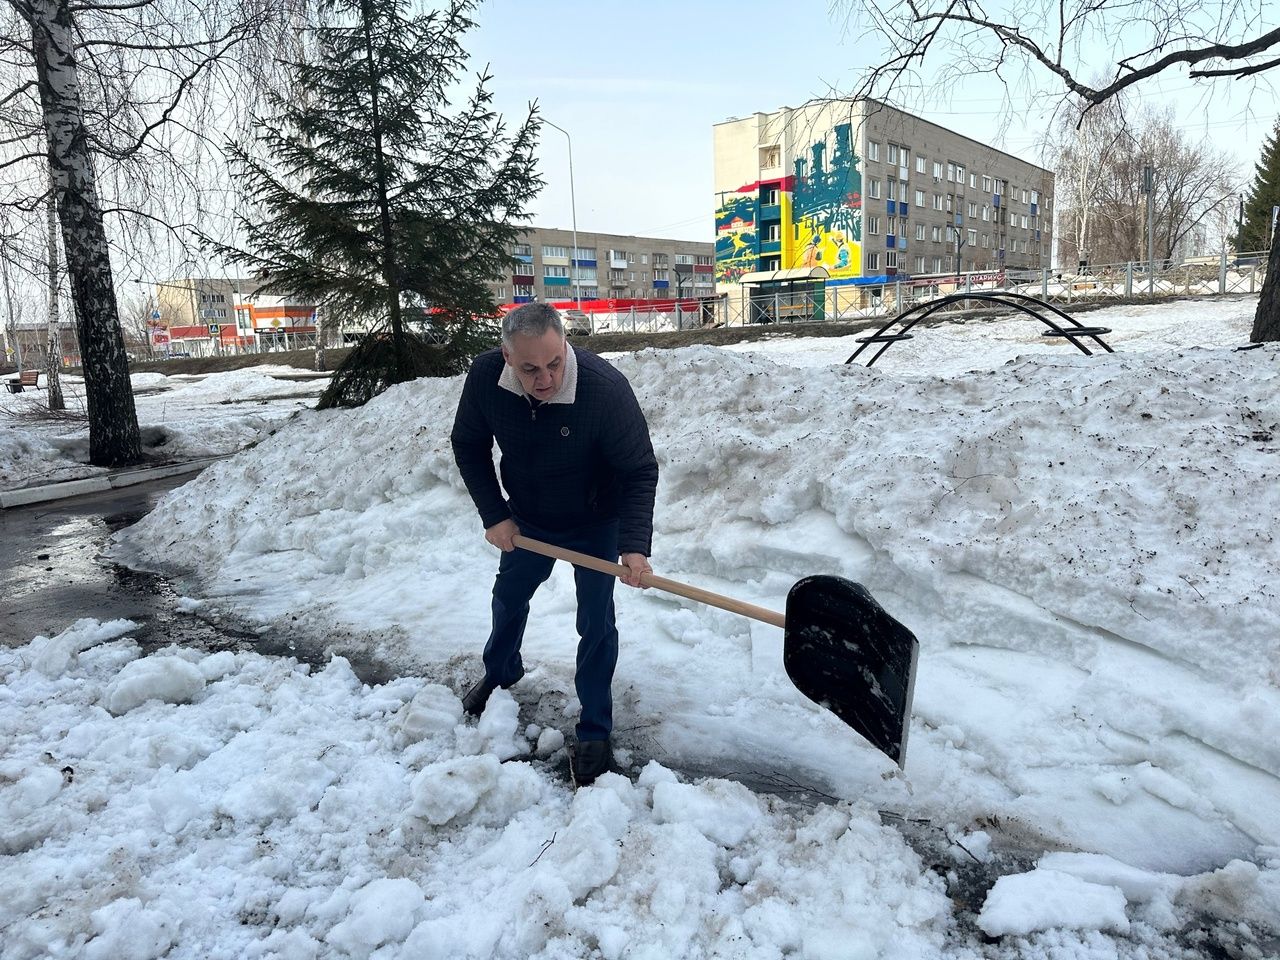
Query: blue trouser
pixel 520 573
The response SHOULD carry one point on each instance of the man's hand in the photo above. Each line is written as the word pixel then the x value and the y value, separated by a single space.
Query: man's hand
pixel 500 535
pixel 636 564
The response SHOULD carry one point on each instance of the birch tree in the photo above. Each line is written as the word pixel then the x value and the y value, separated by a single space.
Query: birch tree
pixel 109 94
pixel 1100 165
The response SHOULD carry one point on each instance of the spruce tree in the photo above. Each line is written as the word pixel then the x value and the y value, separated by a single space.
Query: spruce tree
pixel 378 200
pixel 1265 194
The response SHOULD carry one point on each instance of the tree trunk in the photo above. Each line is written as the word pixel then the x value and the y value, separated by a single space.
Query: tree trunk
pixel 11 324
pixel 320 366
pixel 1266 322
pixel 389 265
pixel 113 422
pixel 53 353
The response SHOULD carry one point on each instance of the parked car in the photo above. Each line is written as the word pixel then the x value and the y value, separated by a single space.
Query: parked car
pixel 576 323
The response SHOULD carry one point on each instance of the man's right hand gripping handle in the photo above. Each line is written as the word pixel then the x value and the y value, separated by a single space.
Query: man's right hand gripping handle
pixel 500 535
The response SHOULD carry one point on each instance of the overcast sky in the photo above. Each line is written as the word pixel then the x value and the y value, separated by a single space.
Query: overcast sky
pixel 638 88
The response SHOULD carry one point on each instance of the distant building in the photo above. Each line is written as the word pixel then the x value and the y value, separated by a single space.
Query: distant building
pixel 606 266
pixel 208 315
pixel 851 197
pixel 30 342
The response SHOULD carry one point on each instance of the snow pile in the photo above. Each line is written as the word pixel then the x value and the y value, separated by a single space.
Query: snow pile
pixel 267 810
pixel 179 418
pixel 1083 546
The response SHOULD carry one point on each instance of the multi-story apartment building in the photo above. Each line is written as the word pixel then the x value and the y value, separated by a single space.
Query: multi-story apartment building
pixel 605 266
pixel 859 194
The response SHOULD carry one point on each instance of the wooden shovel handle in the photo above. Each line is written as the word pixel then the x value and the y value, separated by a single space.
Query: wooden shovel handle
pixel 652 580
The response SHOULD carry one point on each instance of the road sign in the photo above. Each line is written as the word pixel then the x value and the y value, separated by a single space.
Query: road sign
pixel 214 329
pixel 155 314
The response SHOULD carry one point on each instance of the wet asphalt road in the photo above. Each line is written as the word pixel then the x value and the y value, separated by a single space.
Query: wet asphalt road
pixel 53 573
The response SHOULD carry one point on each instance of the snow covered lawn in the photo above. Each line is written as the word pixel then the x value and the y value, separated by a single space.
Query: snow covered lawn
pixel 1084 546
pixel 181 418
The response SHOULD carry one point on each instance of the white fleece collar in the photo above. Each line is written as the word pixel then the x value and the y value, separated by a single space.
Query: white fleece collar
pixel 568 386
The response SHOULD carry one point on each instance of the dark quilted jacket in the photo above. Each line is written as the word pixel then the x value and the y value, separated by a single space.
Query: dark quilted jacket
pixel 563 465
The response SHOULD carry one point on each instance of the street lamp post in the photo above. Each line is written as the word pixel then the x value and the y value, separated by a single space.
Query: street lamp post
pixel 573 208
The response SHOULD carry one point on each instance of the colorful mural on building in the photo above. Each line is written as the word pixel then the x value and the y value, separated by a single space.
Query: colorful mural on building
pixel 827 207
pixel 737 241
pixel 810 219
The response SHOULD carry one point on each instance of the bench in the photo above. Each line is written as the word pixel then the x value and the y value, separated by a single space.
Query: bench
pixel 27 378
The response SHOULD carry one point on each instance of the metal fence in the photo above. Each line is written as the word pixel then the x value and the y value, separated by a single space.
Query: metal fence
pixel 1226 273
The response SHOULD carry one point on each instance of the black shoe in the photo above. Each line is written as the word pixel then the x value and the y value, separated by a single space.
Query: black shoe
pixel 473 700
pixel 591 759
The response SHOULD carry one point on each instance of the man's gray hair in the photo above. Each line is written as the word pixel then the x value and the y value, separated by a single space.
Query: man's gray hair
pixel 531 320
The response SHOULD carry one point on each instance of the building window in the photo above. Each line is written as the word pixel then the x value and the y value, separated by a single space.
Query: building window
pixel 873 189
pixel 644 259
pixel 1035 196
pixel 553 251
pixel 522 269
pixel 684 258
pixel 704 260
pixel 935 234
pixel 891 259
pixel 986 212
pixel 919 231
pixel 520 290
pixel 937 169
pixel 873 151
pixel 770 198
pixel 973 237
pixel 951 170
pixel 919 264
pixel 584 253
pixel 523 250
pixel 937 265
pixel 920 163
pixel 873 262
pixel 986 184
pixel 770 157
pixel 960 174
pixel 892 186
pixel 550 271
pixel 937 201
pixel 973 209
pixel 919 198
pixel 973 181
pixel 873 225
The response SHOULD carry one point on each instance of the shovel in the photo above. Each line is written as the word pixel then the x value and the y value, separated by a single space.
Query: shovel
pixel 840 648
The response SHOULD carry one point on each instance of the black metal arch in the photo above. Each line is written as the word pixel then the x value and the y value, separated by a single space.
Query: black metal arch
pixel 1072 331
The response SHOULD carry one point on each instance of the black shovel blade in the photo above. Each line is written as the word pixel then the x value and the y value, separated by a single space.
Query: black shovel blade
pixel 843 651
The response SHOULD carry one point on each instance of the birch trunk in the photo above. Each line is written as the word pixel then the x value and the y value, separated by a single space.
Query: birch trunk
pixel 113 422
pixel 53 353
pixel 320 332
pixel 11 325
